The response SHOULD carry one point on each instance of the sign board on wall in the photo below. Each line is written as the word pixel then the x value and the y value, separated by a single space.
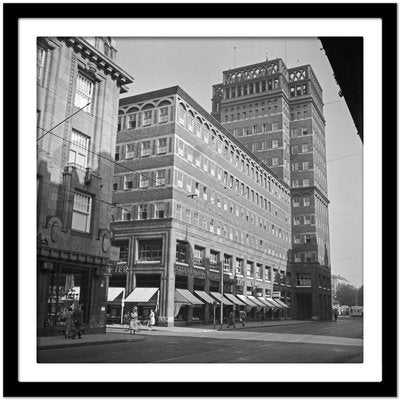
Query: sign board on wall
pixel 114 253
pixel 276 295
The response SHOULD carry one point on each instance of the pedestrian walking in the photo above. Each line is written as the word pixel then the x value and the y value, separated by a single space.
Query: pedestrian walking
pixel 133 321
pixel 242 317
pixel 77 318
pixel 231 320
pixel 68 323
pixel 152 320
pixel 335 314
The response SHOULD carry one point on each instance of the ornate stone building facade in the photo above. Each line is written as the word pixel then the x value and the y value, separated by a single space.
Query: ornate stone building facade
pixel 79 77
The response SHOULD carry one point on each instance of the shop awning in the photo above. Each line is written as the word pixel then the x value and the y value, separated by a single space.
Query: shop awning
pixel 280 302
pixel 115 293
pixel 271 304
pixel 205 296
pixel 246 300
pixel 265 302
pixel 141 295
pixel 255 300
pixel 220 298
pixel 276 305
pixel 184 296
pixel 234 299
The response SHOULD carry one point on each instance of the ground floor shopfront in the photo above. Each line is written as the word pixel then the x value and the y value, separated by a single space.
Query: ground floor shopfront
pixel 64 281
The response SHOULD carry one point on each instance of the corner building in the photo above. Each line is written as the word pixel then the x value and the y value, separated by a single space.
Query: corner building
pixel 195 209
pixel 79 77
pixel 277 113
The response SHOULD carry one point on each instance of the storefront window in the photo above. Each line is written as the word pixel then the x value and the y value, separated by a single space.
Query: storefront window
pixel 66 288
pixel 150 250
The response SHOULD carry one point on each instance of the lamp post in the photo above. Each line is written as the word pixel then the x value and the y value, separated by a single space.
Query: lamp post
pixel 214 304
pixel 221 314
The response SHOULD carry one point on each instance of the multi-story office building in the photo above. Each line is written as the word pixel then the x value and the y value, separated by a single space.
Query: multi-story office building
pixel 79 77
pixel 277 113
pixel 196 212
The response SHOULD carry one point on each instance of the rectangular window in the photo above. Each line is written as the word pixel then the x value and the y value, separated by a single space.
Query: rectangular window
pixel 295 149
pixel 150 250
pixel 249 269
pixel 147 117
pixel 162 146
pixel 227 263
pixel 163 115
pixel 306 201
pixel 295 166
pixel 79 149
pixel 142 211
pixel 132 121
pixel 126 215
pixel 145 149
pixel 305 148
pixel 275 126
pixel 41 57
pixel 258 271
pixel 190 122
pixel 129 151
pixel 198 129
pixel 214 257
pixel 117 153
pixel 128 181
pixel 205 196
pixel 161 177
pixel 307 220
pixel 159 210
pixel 179 179
pixel 296 183
pixel 83 93
pixel 306 182
pixel 178 212
pixel 296 239
pixel 306 165
pixel 144 180
pixel 296 220
pixel 198 255
pixel 275 161
pixel 81 212
pixel 239 266
pixel 181 117
pixel 296 202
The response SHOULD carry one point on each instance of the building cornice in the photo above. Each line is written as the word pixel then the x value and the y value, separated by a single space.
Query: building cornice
pixel 100 60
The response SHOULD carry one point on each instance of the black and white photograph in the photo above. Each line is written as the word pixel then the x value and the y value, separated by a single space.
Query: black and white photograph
pixel 201 201
pixel 160 222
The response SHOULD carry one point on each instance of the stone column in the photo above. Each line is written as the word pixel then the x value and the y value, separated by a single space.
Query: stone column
pixel 170 272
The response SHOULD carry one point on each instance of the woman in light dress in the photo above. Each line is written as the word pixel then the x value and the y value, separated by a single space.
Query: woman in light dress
pixel 152 320
pixel 134 324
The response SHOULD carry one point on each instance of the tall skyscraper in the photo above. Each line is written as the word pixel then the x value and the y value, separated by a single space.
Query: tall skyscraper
pixel 277 113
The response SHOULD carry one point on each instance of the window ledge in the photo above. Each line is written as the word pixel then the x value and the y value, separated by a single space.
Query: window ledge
pixel 199 267
pixel 181 263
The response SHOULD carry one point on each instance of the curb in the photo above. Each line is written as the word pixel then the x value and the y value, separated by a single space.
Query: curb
pixel 81 344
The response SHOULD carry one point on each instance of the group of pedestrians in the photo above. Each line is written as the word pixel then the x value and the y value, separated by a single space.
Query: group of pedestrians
pixel 242 318
pixel 134 324
pixel 73 322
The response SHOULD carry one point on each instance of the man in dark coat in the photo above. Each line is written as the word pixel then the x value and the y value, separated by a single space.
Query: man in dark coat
pixel 77 318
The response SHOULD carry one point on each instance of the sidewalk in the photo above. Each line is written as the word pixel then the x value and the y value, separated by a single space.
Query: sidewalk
pixel 117 334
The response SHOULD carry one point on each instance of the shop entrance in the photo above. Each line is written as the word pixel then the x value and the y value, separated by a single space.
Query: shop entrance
pixel 304 305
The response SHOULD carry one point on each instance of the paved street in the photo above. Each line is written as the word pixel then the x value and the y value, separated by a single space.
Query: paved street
pixel 313 342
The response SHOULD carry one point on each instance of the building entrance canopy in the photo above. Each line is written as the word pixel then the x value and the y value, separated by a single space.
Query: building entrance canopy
pixel 141 295
pixel 205 296
pixel 280 302
pixel 220 298
pixel 186 297
pixel 233 299
pixel 115 294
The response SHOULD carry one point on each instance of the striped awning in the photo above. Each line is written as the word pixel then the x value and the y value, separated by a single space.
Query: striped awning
pixel 271 304
pixel 205 296
pixel 234 299
pixel 276 305
pixel 186 297
pixel 115 293
pixel 255 300
pixel 265 302
pixel 247 301
pixel 141 295
pixel 220 298
pixel 280 302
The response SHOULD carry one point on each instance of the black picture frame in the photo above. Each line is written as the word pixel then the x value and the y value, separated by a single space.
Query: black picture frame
pixel 13 387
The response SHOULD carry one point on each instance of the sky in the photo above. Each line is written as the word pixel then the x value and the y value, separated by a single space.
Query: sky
pixel 195 64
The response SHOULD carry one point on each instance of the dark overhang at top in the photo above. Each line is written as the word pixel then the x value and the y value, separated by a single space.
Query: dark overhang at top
pixel 345 55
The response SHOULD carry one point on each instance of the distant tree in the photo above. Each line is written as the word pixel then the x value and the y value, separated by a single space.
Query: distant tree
pixel 346 294
pixel 360 295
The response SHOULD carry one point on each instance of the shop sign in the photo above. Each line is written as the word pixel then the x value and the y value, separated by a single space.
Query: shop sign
pixel 276 295
pixel 255 284
pixel 182 269
pixel 121 268
pixel 199 274
pixel 214 276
